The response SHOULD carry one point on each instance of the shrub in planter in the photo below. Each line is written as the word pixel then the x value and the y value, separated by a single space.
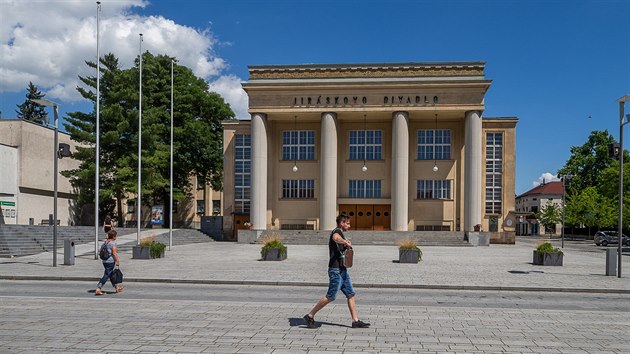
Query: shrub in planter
pixel 148 249
pixel 547 255
pixel 273 249
pixel 408 251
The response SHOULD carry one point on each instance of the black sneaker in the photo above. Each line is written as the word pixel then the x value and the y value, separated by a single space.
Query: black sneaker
pixel 360 324
pixel 309 321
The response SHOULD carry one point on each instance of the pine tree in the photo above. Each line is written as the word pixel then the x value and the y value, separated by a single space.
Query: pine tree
pixel 30 110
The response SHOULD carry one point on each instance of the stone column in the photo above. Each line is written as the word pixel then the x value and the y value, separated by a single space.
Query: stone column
pixel 472 171
pixel 258 212
pixel 328 170
pixel 400 171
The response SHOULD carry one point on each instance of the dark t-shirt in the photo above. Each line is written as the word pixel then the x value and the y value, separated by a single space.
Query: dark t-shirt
pixel 335 249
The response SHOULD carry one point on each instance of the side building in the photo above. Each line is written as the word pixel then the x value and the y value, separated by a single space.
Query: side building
pixel 397 146
pixel 26 175
pixel 26 185
pixel 531 202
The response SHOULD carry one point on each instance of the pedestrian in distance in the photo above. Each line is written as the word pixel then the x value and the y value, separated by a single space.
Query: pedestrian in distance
pixel 107 224
pixel 109 263
pixel 339 278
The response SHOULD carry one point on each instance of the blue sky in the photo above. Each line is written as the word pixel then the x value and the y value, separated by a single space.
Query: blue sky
pixel 553 63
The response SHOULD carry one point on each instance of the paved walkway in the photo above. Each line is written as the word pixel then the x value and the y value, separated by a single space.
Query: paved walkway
pixel 496 267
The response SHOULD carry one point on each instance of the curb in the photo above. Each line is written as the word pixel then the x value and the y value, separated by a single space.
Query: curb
pixel 307 284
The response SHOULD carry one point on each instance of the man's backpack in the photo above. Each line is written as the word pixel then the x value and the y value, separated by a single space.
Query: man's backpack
pixel 104 252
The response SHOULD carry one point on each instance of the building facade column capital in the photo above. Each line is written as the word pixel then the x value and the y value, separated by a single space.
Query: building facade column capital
pixel 404 114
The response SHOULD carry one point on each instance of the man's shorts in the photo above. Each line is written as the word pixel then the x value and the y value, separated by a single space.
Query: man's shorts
pixel 339 279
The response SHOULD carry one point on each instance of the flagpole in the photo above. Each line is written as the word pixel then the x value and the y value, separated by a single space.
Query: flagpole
pixel 170 208
pixel 139 199
pixel 98 134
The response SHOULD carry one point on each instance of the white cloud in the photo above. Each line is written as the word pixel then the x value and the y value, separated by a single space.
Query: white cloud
pixel 48 42
pixel 545 178
pixel 229 87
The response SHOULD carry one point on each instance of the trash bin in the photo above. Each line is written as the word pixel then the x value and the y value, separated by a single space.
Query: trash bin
pixel 611 261
pixel 68 252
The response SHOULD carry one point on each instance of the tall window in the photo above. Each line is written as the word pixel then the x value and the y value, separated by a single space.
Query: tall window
pixel 365 188
pixel 434 144
pixel 433 189
pixel 298 188
pixel 494 172
pixel 366 144
pixel 298 145
pixel 242 173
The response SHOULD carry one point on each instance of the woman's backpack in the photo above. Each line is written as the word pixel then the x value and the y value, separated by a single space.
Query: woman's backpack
pixel 104 252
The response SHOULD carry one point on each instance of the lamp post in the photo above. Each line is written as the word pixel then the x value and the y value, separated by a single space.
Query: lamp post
pixel 55 168
pixel 97 172
pixel 623 120
pixel 139 198
pixel 563 179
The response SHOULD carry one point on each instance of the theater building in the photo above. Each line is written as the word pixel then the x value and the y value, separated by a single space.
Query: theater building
pixel 398 146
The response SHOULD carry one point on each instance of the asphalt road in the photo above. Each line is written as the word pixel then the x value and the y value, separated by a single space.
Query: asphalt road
pixel 309 295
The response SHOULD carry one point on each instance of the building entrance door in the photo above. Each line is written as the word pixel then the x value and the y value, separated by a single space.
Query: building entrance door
pixel 239 221
pixel 382 217
pixel 368 216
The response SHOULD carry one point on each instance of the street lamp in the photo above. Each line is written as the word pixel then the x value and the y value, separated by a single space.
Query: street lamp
pixel 55 168
pixel 622 101
pixel 563 179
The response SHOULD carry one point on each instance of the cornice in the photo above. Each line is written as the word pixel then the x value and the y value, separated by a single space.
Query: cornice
pixel 385 70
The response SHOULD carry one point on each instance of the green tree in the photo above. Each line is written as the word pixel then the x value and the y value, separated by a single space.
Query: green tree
pixel 549 215
pixel 198 135
pixel 30 110
pixel 588 161
pixel 589 208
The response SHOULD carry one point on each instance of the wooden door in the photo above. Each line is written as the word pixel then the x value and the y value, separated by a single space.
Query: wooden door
pixel 239 220
pixel 382 217
pixel 365 217
pixel 348 209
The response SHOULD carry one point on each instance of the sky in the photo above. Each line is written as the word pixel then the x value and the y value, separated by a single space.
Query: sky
pixel 557 65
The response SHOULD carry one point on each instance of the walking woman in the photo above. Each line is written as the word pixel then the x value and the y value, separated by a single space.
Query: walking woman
pixel 109 263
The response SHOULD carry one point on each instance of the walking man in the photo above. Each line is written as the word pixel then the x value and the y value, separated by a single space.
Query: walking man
pixel 339 278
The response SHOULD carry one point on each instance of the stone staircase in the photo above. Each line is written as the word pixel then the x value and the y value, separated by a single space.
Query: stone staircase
pixel 424 238
pixel 23 240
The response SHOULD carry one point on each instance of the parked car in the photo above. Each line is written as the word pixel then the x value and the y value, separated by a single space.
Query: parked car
pixel 604 238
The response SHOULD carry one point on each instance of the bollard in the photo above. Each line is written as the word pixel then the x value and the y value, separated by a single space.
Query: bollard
pixel 611 261
pixel 68 252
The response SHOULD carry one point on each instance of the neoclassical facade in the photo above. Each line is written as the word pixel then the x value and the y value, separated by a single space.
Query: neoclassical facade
pixel 398 146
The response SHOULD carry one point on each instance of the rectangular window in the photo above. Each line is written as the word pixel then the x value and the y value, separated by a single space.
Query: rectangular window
pixel 201 182
pixel 298 145
pixel 434 144
pixel 359 188
pixel 298 188
pixel 433 189
pixel 366 144
pixel 242 173
pixel 131 206
pixel 201 206
pixel 494 172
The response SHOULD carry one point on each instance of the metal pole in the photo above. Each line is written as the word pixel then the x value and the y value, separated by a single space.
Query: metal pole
pixel 97 180
pixel 139 199
pixel 620 222
pixel 563 206
pixel 56 167
pixel 170 208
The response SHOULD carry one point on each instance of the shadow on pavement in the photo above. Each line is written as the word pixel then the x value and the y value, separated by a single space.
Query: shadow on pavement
pixel 295 322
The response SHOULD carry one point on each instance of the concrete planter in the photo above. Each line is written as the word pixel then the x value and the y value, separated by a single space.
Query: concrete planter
pixel 408 256
pixel 548 259
pixel 143 253
pixel 274 254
